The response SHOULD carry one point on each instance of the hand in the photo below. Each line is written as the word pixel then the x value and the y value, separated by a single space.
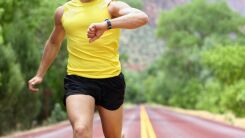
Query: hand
pixel 34 81
pixel 96 30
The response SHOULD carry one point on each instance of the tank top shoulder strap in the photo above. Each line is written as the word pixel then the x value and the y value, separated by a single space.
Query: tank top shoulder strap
pixel 65 6
pixel 108 2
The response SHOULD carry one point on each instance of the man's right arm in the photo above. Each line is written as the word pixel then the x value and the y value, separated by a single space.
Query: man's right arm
pixel 51 49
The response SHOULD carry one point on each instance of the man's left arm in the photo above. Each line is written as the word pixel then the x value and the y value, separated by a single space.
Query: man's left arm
pixel 126 17
pixel 123 16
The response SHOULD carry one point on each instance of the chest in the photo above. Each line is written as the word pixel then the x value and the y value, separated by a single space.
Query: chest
pixel 79 18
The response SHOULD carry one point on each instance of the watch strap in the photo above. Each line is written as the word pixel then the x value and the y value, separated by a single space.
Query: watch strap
pixel 109 26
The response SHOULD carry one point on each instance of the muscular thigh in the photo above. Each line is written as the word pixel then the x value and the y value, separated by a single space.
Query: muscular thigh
pixel 111 121
pixel 80 109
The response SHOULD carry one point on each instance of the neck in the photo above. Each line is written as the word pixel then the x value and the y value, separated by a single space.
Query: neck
pixel 85 1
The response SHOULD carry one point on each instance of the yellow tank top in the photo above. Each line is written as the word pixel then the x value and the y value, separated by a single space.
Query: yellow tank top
pixel 99 59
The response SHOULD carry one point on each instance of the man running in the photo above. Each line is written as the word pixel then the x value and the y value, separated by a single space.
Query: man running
pixel 94 78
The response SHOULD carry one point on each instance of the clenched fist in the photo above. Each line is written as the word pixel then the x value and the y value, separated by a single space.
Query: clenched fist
pixel 34 81
pixel 96 30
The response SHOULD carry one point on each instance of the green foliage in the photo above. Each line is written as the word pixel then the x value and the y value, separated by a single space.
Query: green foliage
pixel 13 77
pixel 226 63
pixel 210 96
pixel 135 3
pixel 57 114
pixel 189 95
pixel 226 66
pixel 153 86
pixel 134 89
pixel 0 80
pixel 234 98
pixel 23 32
pixel 1 36
pixel 12 83
pixel 202 66
pixel 198 20
pixel 11 8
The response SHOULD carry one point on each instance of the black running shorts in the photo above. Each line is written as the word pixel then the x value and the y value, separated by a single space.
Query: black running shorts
pixel 108 92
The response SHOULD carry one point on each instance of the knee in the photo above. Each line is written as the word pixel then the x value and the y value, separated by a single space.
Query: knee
pixel 82 131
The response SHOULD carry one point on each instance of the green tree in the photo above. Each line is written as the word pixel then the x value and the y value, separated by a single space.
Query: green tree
pixel 57 114
pixel 227 65
pixel 233 99
pixel 189 30
pixel 13 41
pixel 12 82
pixel 134 89
pixel 23 31
pixel 210 96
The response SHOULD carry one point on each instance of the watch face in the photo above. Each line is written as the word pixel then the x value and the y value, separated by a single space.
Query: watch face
pixel 109 26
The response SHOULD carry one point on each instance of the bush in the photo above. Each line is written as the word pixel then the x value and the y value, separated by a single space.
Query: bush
pixel 57 114
pixel 134 88
pixel 193 71
pixel 233 98
pixel 210 97
pixel 226 62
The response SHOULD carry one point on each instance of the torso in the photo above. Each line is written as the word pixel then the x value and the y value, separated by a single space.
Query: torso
pixel 99 59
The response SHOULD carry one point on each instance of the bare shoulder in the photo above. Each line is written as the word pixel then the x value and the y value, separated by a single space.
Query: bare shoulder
pixel 116 6
pixel 58 14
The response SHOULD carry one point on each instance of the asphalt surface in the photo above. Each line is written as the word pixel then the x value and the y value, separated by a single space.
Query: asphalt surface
pixel 151 122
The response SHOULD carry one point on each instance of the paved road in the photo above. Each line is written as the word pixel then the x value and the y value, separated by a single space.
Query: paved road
pixel 152 122
pixel 168 124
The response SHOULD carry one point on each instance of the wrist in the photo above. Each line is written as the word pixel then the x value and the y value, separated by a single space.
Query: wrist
pixel 108 24
pixel 39 75
pixel 104 24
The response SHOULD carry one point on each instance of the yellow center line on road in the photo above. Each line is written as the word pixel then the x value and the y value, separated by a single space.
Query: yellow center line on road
pixel 146 129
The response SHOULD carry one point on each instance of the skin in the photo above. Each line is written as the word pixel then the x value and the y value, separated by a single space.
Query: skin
pixel 111 122
pixel 80 108
pixel 124 17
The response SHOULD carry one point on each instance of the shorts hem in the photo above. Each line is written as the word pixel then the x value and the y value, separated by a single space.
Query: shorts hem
pixel 112 108
pixel 76 93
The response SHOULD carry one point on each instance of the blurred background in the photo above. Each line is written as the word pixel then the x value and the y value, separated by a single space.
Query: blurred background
pixel 191 55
